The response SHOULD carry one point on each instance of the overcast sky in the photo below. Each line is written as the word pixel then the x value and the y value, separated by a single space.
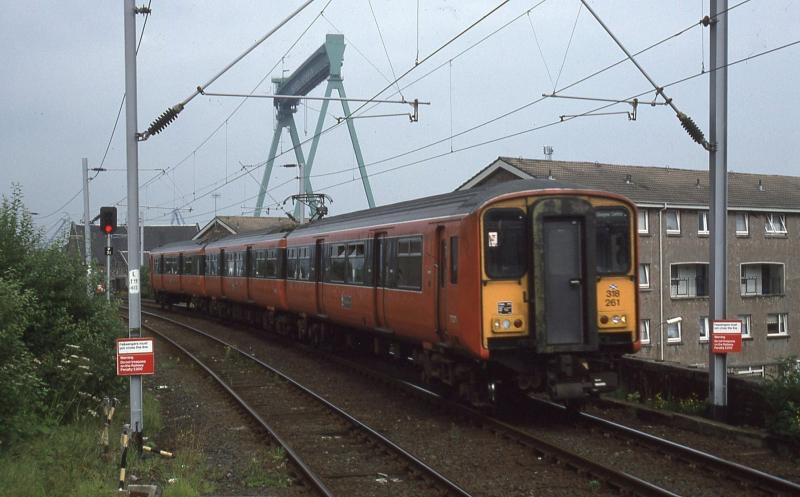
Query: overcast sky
pixel 63 79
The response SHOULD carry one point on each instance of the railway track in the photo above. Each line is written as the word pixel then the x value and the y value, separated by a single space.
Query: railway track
pixel 617 482
pixel 749 479
pixel 336 453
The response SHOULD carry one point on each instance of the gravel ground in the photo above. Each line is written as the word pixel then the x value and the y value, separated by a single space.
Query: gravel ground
pixel 195 413
pixel 479 461
pixel 488 465
pixel 740 450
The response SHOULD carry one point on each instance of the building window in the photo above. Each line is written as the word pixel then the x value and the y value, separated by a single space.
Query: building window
pixel 745 319
pixel 762 279
pixel 643 221
pixel 742 224
pixel 777 324
pixel 702 223
pixel 673 222
pixel 689 280
pixel 674 332
pixel 644 275
pixel 644 331
pixel 775 224
pixel 703 322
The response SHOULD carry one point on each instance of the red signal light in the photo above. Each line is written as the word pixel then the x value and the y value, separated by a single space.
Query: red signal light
pixel 108 219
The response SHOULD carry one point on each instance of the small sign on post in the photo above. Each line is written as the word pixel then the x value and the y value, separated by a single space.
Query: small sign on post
pixel 109 250
pixel 135 356
pixel 726 336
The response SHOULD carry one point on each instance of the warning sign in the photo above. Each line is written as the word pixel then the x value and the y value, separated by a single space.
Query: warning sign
pixel 135 356
pixel 726 336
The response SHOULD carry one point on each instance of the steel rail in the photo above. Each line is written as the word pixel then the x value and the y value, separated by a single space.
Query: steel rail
pixel 449 485
pixel 764 481
pixel 293 456
pixel 624 482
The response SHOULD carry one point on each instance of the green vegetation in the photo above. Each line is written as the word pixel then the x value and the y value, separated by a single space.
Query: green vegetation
pixel 56 361
pixel 66 462
pixel 692 405
pixel 782 394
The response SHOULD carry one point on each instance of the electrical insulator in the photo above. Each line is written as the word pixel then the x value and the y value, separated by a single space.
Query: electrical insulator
pixel 692 128
pixel 164 120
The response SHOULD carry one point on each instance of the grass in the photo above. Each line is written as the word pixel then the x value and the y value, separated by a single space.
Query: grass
pixel 67 462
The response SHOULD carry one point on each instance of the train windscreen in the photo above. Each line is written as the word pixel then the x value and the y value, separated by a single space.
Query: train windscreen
pixel 613 241
pixel 505 243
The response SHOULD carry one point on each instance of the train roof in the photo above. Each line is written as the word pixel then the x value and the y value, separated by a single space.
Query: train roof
pixel 249 238
pixel 452 204
pixel 181 246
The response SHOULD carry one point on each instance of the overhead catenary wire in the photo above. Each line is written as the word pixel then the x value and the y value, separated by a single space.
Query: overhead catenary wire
pixel 567 119
pixel 379 93
pixel 385 50
pixel 569 44
pixel 541 53
pixel 219 183
pixel 238 107
pixel 171 113
pixel 116 121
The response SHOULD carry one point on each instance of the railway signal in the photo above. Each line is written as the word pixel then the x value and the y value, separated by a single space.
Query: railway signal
pixel 108 219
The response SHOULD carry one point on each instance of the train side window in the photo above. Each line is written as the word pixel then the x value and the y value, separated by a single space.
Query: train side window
pixel 338 256
pixel 355 263
pixel 409 263
pixel 505 243
pixel 303 263
pixel 291 263
pixel 230 264
pixel 613 241
pixel 188 264
pixel 241 264
pixel 160 266
pixel 453 260
pixel 271 264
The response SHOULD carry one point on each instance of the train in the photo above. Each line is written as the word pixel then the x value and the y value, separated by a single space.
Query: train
pixel 528 284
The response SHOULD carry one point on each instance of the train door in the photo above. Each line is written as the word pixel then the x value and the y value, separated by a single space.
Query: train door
pixel 379 253
pixel 248 271
pixel 441 281
pixel 563 280
pixel 181 279
pixel 319 275
pixel 564 275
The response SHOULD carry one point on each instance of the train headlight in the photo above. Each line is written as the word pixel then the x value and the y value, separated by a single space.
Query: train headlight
pixel 496 324
pixel 506 324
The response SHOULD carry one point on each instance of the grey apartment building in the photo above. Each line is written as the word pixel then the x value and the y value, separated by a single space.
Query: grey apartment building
pixel 763 254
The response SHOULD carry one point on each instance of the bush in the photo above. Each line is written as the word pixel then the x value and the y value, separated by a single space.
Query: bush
pixel 782 393
pixel 57 357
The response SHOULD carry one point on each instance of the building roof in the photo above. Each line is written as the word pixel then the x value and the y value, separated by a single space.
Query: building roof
pixel 648 185
pixel 233 225
pixel 154 236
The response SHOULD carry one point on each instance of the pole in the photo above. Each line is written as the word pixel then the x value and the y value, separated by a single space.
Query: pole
pixel 108 267
pixel 87 232
pixel 132 156
pixel 718 171
pixel 301 201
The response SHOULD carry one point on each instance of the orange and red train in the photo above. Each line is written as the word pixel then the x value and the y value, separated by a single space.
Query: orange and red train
pixel 529 283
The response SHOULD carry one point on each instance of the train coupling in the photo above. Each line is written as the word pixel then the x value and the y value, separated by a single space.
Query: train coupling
pixel 576 389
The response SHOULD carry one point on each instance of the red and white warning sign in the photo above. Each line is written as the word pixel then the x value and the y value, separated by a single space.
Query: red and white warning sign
pixel 135 356
pixel 726 336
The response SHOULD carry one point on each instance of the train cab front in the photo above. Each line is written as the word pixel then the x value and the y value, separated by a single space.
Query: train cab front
pixel 559 297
